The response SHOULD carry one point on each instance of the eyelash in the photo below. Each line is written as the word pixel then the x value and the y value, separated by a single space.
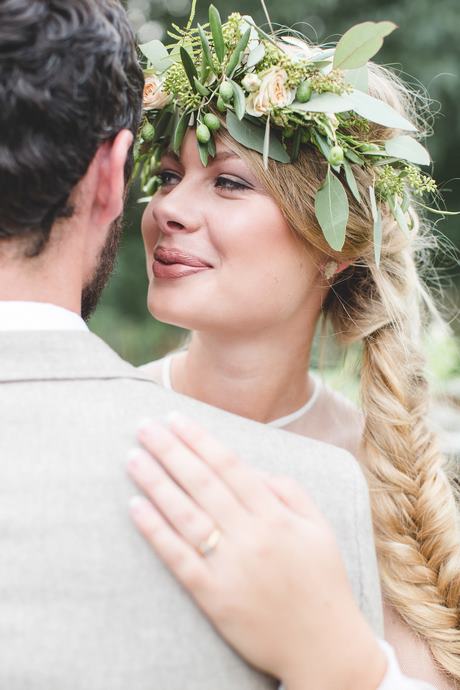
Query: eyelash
pixel 225 183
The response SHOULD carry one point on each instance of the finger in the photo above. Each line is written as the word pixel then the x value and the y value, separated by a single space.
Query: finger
pixel 184 562
pixel 189 471
pixel 293 496
pixel 243 480
pixel 187 518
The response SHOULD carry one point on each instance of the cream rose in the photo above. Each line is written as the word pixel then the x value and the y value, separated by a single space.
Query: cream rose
pixel 273 93
pixel 154 96
pixel 296 48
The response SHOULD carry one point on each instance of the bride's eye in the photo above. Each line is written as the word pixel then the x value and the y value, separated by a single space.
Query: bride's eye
pixel 230 185
pixel 167 178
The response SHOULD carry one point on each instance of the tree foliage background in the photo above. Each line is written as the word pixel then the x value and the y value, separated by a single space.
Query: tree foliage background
pixel 426 47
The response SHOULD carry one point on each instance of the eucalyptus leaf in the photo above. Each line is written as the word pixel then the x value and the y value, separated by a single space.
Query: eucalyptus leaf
pixel 239 100
pixel 237 54
pixel 255 56
pixel 157 55
pixel 204 154
pixel 296 139
pixel 399 215
pixel 206 47
pixel 212 147
pixel 358 78
pixel 266 143
pixel 331 206
pixel 351 181
pixel 324 103
pixel 216 29
pixel 189 67
pixel 353 157
pixel 377 217
pixel 408 148
pixel 377 111
pixel 360 43
pixel 322 144
pixel 179 132
pixel 252 137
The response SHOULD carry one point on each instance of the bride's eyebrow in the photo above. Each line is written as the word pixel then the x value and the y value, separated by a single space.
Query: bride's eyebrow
pixel 219 157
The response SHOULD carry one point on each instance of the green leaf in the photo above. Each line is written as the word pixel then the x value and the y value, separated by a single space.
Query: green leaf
pixel 322 144
pixel 296 144
pixel 377 217
pixel 204 154
pixel 237 54
pixel 353 157
pixel 324 103
pixel 331 206
pixel 216 30
pixel 200 88
pixel 255 56
pixel 377 111
pixel 206 48
pixel 179 132
pixel 266 143
pixel 252 137
pixel 212 147
pixel 239 100
pixel 399 215
pixel 351 181
pixel 408 148
pixel 157 55
pixel 189 67
pixel 358 78
pixel 360 43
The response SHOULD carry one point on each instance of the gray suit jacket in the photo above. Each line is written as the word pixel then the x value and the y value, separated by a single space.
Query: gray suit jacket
pixel 84 603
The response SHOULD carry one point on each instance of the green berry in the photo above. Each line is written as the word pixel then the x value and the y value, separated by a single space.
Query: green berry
pixel 226 91
pixel 148 132
pixel 221 105
pixel 304 91
pixel 203 134
pixel 369 148
pixel 336 155
pixel 211 121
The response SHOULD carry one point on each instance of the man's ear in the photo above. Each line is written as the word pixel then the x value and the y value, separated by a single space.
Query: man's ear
pixel 109 178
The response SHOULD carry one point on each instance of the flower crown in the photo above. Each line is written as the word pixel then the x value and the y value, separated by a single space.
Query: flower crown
pixel 278 94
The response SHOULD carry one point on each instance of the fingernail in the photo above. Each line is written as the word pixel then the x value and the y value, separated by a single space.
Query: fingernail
pixel 177 419
pixel 137 504
pixel 133 457
pixel 144 423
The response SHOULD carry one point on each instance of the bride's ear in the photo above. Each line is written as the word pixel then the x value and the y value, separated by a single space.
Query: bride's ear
pixel 109 178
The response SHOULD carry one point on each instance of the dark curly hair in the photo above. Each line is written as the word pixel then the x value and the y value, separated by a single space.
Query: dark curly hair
pixel 69 80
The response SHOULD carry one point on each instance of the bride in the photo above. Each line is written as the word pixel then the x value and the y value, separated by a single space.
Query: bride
pixel 242 252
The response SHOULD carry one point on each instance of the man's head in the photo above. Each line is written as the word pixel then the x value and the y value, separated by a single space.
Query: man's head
pixel 70 94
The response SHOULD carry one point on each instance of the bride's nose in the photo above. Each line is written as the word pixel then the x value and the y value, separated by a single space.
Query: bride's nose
pixel 177 211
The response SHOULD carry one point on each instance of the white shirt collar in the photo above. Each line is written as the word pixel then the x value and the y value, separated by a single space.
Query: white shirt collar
pixel 38 316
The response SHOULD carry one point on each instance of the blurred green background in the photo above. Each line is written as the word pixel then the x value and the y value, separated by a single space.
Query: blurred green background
pixel 426 46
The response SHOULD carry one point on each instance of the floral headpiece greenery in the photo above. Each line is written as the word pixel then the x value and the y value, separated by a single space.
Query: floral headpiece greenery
pixel 277 94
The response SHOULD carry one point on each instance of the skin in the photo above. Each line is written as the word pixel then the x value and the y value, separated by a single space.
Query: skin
pixel 194 484
pixel 70 260
pixel 254 313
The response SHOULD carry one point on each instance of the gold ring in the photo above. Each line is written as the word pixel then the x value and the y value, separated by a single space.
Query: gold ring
pixel 208 545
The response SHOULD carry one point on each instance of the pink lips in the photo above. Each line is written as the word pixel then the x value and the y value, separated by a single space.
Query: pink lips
pixel 173 263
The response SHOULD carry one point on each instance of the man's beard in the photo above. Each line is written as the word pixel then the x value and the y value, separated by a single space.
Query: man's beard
pixel 106 262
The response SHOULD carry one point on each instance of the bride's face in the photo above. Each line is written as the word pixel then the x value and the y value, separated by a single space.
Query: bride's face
pixel 220 255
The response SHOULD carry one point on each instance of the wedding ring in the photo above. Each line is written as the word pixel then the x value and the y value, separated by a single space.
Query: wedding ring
pixel 208 545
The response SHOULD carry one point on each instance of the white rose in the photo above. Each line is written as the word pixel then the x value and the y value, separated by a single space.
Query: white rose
pixel 296 48
pixel 273 93
pixel 154 96
pixel 251 82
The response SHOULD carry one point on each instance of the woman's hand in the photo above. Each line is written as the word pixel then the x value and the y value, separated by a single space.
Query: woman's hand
pixel 257 556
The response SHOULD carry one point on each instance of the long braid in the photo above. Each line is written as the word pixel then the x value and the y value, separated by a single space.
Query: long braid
pixel 414 510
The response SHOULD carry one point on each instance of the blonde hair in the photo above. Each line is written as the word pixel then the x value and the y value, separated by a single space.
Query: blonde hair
pixel 414 511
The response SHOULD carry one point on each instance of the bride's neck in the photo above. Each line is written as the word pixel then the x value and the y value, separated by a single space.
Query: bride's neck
pixel 260 378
